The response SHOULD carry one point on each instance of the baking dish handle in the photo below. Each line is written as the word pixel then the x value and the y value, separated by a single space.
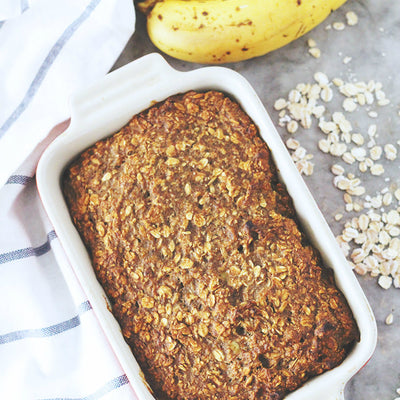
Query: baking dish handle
pixel 138 84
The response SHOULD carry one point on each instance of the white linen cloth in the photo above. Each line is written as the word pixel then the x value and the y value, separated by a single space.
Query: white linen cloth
pixel 51 345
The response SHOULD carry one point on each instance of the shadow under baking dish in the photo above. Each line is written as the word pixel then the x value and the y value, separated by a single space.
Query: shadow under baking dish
pixel 104 108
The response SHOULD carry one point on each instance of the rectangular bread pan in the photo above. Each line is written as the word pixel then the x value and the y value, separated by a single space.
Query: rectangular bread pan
pixel 103 109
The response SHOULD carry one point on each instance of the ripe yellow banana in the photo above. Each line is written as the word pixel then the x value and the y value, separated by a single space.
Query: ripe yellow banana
pixel 221 31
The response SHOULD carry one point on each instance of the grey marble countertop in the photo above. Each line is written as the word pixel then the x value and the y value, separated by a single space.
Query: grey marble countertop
pixel 374 47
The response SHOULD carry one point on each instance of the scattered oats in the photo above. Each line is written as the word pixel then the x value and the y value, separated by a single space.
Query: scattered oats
pixel 387 199
pixel 356 191
pixel 348 158
pixel 357 207
pixel 326 94
pixel 280 104
pixel 359 153
pixel 318 111
pixel 349 89
pixel 337 149
pixel 305 167
pixel 315 52
pixel 369 163
pixel 394 232
pixel 292 144
pixel 383 102
pixel 393 217
pixel 294 96
pixel 347 198
pixel 349 234
pixel 338 217
pixel 327 126
pixel 337 169
pixel 344 246
pixel 363 222
pixel 375 153
pixel 397 194
pixel 351 18
pixel 324 145
pixel 344 124
pixel 384 190
pixel 385 281
pixel 390 152
pixel 338 82
pixel 328 27
pixel 292 126
pixel 376 202
pixel 377 169
pixel 362 166
pixel 311 43
pixel 380 94
pixel 389 319
pixel 373 114
pixel 302 88
pixel 346 60
pixel 299 153
pixel 341 182
pixel 358 255
pixel 361 269
pixel 346 137
pixel 349 105
pixel 361 99
pixel 369 97
pixel 358 139
pixel 321 78
pixel 284 120
pixel 338 26
pixel 384 238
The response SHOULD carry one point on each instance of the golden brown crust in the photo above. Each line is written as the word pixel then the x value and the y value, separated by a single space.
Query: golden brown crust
pixel 196 244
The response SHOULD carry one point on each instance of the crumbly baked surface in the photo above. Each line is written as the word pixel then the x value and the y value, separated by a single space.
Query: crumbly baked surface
pixel 197 246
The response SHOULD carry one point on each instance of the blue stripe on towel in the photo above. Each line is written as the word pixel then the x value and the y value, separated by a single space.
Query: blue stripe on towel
pixel 107 388
pixel 49 330
pixel 47 63
pixel 19 180
pixel 28 251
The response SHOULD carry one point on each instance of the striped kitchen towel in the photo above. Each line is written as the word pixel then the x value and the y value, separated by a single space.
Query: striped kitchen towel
pixel 51 345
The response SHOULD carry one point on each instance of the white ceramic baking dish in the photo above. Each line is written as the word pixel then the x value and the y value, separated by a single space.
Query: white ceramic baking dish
pixel 103 109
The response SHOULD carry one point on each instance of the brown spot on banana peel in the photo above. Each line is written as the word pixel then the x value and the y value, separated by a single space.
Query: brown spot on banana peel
pixel 247 22
pixel 301 31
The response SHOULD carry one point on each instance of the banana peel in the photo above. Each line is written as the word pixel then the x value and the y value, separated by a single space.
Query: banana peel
pixel 222 31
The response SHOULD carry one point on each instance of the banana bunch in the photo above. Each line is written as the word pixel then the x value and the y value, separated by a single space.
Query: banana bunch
pixel 221 31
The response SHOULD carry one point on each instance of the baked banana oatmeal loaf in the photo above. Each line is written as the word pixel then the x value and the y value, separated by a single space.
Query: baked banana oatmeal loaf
pixel 196 243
